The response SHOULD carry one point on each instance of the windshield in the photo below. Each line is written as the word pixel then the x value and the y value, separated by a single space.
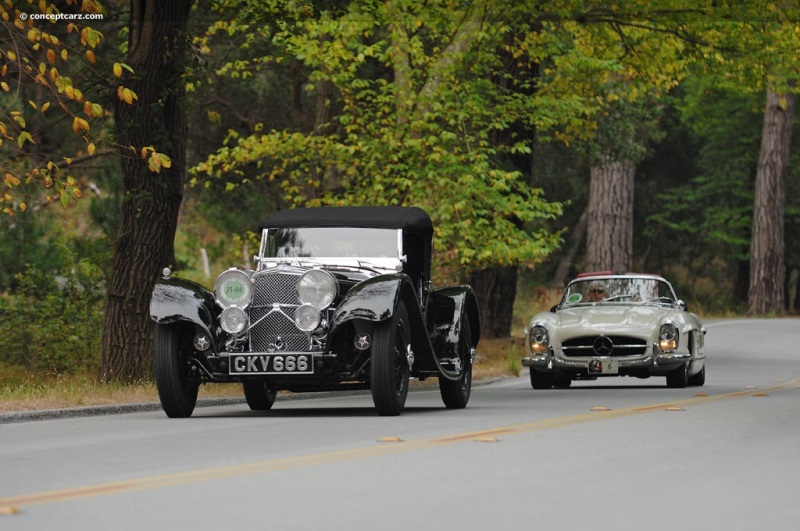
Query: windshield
pixel 331 242
pixel 618 290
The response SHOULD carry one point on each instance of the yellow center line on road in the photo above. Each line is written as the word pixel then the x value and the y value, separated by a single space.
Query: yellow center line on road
pixel 13 504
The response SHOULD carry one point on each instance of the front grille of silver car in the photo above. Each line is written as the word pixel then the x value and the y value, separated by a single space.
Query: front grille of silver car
pixel 617 346
pixel 272 314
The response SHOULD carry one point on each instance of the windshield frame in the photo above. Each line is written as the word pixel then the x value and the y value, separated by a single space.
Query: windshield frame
pixel 392 259
pixel 621 289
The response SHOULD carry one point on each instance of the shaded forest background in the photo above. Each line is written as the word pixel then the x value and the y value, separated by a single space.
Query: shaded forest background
pixel 253 99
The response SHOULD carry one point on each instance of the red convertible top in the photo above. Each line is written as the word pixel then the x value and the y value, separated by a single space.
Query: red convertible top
pixel 612 274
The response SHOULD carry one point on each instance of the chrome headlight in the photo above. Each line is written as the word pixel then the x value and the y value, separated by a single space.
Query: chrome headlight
pixel 233 320
pixel 668 338
pixel 233 288
pixel 538 339
pixel 317 288
pixel 306 318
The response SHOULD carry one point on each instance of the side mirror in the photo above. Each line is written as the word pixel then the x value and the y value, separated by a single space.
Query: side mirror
pixel 681 305
pixel 554 308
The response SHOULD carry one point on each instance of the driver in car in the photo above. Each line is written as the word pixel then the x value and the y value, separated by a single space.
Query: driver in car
pixel 597 293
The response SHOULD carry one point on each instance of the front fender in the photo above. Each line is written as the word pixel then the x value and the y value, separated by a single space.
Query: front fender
pixel 176 299
pixel 376 300
pixel 449 311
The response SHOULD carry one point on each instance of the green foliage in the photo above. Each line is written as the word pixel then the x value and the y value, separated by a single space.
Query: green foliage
pixel 24 240
pixel 52 323
pixel 426 138
pixel 715 207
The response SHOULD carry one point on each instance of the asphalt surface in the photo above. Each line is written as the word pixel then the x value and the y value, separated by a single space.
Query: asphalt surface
pixel 611 454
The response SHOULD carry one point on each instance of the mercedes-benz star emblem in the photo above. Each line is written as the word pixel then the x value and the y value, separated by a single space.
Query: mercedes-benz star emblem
pixel 603 346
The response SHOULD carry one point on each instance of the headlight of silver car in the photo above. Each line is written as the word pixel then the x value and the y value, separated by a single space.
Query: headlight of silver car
pixel 317 288
pixel 233 320
pixel 233 288
pixel 539 341
pixel 668 338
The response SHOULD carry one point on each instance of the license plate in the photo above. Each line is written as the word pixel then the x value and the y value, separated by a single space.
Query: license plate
pixel 271 364
pixel 603 366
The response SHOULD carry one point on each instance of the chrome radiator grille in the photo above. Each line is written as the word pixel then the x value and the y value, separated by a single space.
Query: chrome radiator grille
pixel 275 287
pixel 272 314
pixel 604 346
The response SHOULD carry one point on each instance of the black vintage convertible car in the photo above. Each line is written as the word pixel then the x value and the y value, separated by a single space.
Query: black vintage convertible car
pixel 340 298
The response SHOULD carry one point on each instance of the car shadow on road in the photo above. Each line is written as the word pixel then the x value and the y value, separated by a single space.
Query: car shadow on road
pixel 313 412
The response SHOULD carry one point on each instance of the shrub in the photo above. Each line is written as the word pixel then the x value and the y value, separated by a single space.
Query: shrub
pixel 53 323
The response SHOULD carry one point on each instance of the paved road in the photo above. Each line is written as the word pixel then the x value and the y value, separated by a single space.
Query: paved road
pixel 655 458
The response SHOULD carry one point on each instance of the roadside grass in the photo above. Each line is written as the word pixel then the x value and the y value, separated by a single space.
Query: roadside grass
pixel 24 390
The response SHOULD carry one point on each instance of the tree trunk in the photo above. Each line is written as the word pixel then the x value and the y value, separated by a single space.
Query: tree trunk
pixel 609 234
pixel 767 267
pixel 149 213
pixel 496 290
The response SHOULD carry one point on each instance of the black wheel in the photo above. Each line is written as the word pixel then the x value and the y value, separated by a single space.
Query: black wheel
pixel 699 379
pixel 177 387
pixel 455 393
pixel 259 396
pixel 389 372
pixel 678 378
pixel 561 381
pixel 541 380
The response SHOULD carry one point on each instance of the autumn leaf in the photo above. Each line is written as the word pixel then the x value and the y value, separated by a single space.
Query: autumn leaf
pixel 129 95
pixel 154 163
pixel 11 180
pixel 126 95
pixel 90 6
pixel 79 125
pixel 23 137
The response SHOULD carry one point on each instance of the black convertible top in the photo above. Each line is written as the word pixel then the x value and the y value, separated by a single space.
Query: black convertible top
pixel 415 222
pixel 378 217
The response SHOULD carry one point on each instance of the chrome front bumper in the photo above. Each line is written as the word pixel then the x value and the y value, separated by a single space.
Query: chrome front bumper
pixel 654 359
